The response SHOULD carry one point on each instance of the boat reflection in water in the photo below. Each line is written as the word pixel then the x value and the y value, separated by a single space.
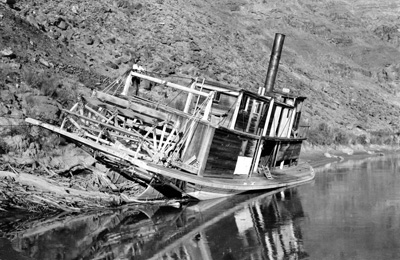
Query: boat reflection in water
pixel 247 226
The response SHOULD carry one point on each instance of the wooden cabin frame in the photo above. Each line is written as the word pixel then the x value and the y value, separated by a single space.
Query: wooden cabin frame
pixel 233 136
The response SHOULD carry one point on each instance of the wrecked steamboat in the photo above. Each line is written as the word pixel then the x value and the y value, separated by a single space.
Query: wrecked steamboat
pixel 219 140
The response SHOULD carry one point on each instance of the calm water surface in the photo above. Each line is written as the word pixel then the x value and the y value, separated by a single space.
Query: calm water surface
pixel 350 211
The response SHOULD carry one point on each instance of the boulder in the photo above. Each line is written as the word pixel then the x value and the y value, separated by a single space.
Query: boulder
pixel 75 9
pixel 8 2
pixel 69 157
pixel 44 62
pixel 7 52
pixel 112 65
pixel 63 25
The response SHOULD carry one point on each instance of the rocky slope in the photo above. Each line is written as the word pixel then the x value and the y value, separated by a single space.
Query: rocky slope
pixel 343 55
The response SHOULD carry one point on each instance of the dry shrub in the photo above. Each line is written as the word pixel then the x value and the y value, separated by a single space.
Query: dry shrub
pixel 46 84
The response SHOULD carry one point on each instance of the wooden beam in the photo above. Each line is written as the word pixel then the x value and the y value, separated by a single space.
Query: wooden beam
pixel 108 150
pixel 236 112
pixel 95 112
pixel 189 99
pixel 208 106
pixel 169 84
pixel 127 85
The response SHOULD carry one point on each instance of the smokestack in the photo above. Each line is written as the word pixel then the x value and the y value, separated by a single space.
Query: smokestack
pixel 274 62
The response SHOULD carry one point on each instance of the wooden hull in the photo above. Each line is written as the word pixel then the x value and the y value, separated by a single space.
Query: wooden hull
pixel 204 188
pixel 176 183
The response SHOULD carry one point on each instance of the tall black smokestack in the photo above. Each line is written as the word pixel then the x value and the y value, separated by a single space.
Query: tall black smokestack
pixel 274 62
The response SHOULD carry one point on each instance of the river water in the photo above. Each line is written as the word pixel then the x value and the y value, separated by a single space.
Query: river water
pixel 350 211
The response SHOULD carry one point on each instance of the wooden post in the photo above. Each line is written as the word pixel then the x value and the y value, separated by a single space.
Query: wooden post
pixel 276 149
pixel 189 98
pixel 205 149
pixel 236 112
pixel 209 105
pixel 271 106
pixel 284 122
pixel 128 83
pixel 291 122
pixel 261 142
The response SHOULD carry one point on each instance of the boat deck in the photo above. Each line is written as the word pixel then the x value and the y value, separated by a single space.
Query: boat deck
pixel 280 178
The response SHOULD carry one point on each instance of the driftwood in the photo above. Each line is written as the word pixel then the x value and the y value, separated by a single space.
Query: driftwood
pixel 21 190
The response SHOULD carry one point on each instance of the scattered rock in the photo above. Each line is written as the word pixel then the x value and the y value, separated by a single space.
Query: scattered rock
pixel 125 59
pixel 118 61
pixel 194 47
pixel 89 40
pixel 64 39
pixel 44 62
pixel 7 52
pixel 8 2
pixel 56 34
pixel 111 40
pixel 122 4
pixel 75 9
pixel 348 151
pixel 63 25
pixel 112 65
pixel 327 155
pixel 70 157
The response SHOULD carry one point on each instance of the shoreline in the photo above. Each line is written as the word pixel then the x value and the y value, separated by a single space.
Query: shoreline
pixel 50 196
pixel 320 156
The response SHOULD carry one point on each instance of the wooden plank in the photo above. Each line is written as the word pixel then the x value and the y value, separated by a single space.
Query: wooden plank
pixel 185 167
pixel 205 148
pixel 275 120
pixel 224 149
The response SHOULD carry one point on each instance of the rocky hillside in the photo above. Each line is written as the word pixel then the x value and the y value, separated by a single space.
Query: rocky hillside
pixel 343 55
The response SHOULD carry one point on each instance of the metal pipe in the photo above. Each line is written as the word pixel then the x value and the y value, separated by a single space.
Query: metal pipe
pixel 274 62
